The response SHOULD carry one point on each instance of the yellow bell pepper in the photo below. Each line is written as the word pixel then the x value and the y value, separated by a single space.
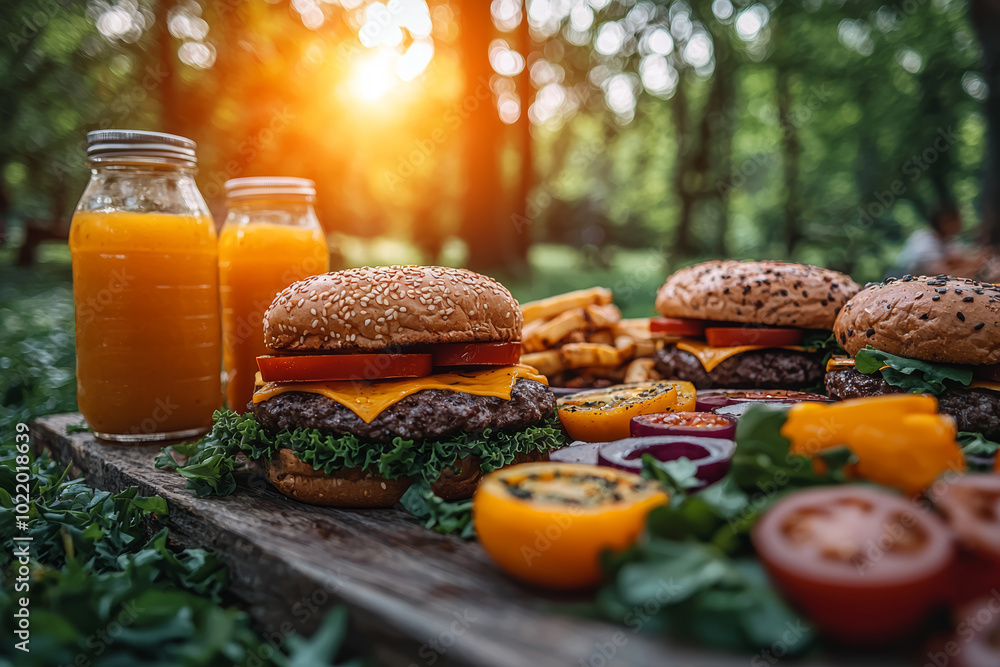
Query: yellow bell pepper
pixel 900 440
pixel 813 427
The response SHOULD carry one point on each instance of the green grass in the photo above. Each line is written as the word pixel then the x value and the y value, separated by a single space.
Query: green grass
pixel 37 356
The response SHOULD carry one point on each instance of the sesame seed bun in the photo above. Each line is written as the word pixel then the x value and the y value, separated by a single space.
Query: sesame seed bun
pixel 942 319
pixel 373 308
pixel 770 293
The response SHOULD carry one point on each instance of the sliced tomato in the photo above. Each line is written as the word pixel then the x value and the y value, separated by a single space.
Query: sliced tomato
pixel 733 336
pixel 602 415
pixel 865 566
pixel 677 326
pixel 475 354
pixel 971 507
pixel 548 523
pixel 334 367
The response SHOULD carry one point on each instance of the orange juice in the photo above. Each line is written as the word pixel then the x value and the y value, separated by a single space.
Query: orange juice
pixel 256 261
pixel 145 287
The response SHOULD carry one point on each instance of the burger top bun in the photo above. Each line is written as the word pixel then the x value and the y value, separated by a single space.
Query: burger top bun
pixel 768 292
pixel 944 319
pixel 372 308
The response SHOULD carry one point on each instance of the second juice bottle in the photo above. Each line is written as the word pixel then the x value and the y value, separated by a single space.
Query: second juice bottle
pixel 270 239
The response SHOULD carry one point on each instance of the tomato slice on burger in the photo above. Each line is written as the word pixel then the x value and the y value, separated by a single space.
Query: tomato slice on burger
pixel 971 507
pixel 475 354
pixel 602 415
pixel 864 565
pixel 677 326
pixel 548 523
pixel 734 336
pixel 335 367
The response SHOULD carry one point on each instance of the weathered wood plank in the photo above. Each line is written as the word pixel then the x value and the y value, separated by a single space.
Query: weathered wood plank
pixel 416 597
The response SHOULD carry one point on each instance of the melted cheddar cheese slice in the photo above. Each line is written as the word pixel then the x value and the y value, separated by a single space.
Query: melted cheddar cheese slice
pixel 368 399
pixel 710 357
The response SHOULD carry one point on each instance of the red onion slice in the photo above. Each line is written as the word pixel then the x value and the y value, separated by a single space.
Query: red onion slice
pixel 710 455
pixel 689 424
pixel 709 400
pixel 577 452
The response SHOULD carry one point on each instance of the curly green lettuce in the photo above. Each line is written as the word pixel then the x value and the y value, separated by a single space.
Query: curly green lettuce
pixel 911 375
pixel 211 462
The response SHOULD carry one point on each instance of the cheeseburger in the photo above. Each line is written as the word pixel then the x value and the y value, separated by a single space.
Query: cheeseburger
pixel 741 324
pixel 382 377
pixel 937 335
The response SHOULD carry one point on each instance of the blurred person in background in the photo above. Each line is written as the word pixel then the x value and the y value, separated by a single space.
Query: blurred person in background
pixel 938 249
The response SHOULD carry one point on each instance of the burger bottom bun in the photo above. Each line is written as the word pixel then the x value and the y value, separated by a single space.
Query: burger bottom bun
pixel 353 487
pixel 456 485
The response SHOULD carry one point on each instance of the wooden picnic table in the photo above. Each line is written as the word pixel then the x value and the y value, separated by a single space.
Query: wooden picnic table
pixel 415 597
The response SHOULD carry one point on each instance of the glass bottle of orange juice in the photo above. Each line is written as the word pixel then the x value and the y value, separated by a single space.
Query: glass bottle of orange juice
pixel 146 291
pixel 271 238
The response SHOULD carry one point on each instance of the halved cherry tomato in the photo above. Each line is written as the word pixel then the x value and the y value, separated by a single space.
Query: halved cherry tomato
pixel 475 354
pixel 733 336
pixel 677 326
pixel 333 367
pixel 701 424
pixel 548 523
pixel 602 415
pixel 971 507
pixel 864 565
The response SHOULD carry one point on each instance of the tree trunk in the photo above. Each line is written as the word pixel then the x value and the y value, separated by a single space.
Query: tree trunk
pixel 986 18
pixel 487 229
pixel 791 151
pixel 682 238
pixel 165 65
pixel 526 179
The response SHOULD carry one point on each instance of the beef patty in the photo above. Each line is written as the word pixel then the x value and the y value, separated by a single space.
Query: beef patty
pixel 430 413
pixel 758 369
pixel 973 409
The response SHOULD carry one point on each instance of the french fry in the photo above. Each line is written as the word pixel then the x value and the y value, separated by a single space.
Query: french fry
pixel 625 346
pixel 616 373
pixel 602 316
pixel 553 331
pixel 579 355
pixel 556 305
pixel 641 370
pixel 575 336
pixel 637 328
pixel 602 336
pixel 646 347
pixel 531 329
pixel 547 363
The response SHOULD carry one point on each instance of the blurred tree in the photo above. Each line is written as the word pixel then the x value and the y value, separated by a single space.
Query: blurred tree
pixel 986 18
pixel 816 130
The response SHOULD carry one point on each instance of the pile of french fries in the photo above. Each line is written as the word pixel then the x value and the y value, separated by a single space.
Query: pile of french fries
pixel 579 339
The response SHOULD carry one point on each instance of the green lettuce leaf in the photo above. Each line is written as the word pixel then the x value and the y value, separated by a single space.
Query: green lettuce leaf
pixel 447 518
pixel 212 463
pixel 977 445
pixel 911 375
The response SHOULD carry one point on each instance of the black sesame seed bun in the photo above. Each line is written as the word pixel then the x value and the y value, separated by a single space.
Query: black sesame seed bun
pixel 781 294
pixel 941 319
pixel 374 308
